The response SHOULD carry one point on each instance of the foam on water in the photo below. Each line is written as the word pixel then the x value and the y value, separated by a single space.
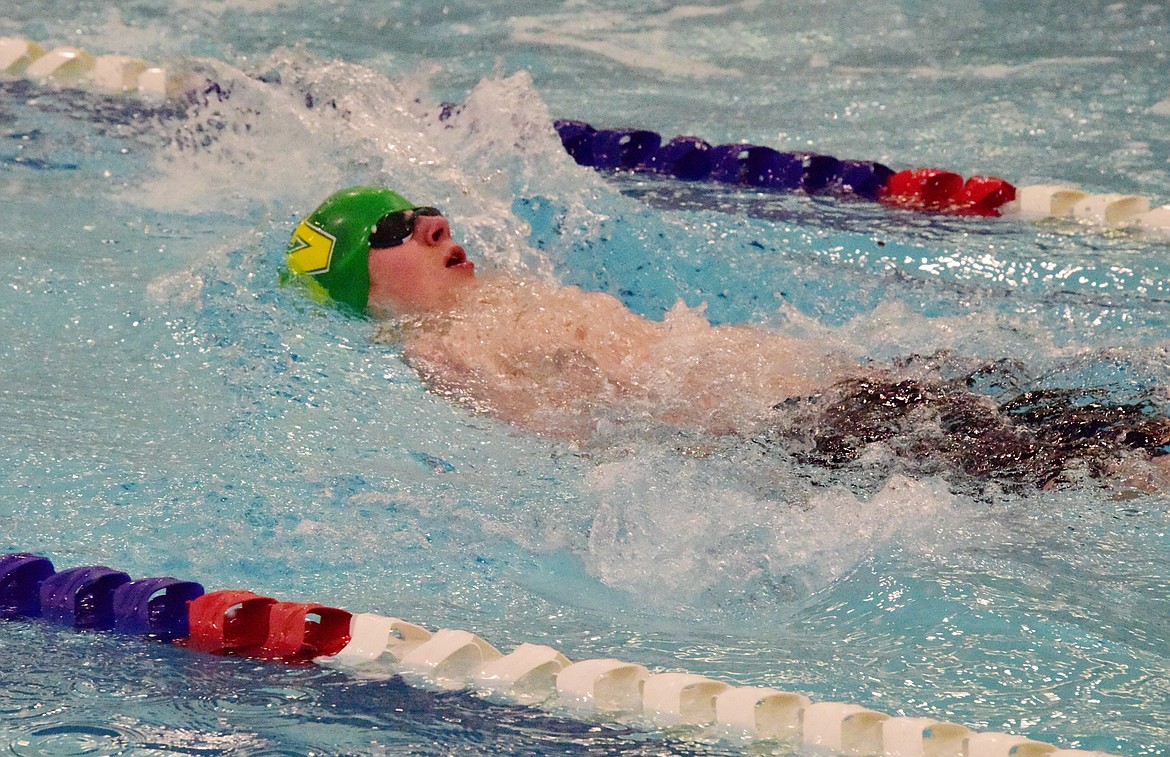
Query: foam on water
pixel 671 532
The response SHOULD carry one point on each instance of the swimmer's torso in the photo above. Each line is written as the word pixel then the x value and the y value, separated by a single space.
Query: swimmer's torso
pixel 558 360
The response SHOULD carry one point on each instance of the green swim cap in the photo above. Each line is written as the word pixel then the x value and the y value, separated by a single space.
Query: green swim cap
pixel 330 250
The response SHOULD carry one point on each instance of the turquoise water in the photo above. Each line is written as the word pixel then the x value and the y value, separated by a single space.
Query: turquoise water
pixel 166 409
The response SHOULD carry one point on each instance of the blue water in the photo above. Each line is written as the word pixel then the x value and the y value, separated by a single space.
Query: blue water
pixel 167 409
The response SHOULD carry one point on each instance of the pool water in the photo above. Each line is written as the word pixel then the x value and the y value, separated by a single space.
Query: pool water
pixel 167 409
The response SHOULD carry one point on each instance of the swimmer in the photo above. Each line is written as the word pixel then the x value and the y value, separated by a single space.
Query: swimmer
pixel 556 360
pixel 563 362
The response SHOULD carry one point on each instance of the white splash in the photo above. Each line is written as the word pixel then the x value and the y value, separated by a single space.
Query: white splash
pixel 668 530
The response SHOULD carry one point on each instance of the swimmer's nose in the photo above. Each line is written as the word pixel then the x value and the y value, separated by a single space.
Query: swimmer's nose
pixel 431 230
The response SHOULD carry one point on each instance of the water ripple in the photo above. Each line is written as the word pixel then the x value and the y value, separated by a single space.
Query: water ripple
pixel 74 739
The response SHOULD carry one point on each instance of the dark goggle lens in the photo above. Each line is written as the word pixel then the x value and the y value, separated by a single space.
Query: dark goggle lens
pixel 395 228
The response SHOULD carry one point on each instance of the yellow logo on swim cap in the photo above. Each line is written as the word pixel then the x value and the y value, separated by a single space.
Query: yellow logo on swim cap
pixel 310 250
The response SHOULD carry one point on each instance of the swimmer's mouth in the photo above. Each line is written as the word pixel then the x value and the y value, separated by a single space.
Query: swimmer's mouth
pixel 457 257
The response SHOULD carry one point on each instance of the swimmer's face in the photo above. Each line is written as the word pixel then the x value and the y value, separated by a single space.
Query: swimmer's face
pixel 425 271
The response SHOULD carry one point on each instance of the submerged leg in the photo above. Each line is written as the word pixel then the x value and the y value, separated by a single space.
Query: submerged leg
pixel 931 426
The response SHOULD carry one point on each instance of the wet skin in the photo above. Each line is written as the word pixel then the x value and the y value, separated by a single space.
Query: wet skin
pixel 555 358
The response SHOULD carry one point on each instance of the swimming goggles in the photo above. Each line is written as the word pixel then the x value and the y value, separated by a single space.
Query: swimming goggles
pixel 395 228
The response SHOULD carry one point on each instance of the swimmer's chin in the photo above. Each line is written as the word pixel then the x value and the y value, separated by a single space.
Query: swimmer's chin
pixel 466 285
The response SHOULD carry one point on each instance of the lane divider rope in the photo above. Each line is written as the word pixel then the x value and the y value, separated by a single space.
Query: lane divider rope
pixel 685 158
pixel 243 623
pixel 923 189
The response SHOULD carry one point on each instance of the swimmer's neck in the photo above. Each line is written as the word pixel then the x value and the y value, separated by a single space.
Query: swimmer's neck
pixel 431 304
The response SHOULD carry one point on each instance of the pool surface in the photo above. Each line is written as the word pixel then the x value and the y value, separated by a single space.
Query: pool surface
pixel 167 409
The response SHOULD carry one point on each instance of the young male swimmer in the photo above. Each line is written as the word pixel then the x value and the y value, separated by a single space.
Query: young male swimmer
pixel 560 361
